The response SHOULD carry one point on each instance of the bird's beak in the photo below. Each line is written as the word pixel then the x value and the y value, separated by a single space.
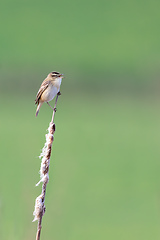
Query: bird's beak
pixel 62 75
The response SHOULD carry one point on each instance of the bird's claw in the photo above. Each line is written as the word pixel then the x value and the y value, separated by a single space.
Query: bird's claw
pixel 59 93
pixel 55 109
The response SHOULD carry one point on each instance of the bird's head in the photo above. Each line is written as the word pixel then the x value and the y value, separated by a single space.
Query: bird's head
pixel 55 75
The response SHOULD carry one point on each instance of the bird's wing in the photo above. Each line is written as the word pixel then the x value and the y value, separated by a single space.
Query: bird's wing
pixel 43 87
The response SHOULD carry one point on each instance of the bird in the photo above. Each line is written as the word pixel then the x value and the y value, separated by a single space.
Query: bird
pixel 49 88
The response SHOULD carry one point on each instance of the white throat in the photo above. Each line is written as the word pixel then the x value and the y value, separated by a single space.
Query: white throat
pixel 59 80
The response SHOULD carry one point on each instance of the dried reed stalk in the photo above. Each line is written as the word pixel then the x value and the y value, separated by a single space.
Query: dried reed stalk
pixel 44 177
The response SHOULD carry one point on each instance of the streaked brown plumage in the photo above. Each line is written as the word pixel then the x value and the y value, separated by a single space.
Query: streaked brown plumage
pixel 48 89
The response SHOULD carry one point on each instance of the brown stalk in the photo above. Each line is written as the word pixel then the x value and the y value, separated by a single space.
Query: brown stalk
pixel 39 205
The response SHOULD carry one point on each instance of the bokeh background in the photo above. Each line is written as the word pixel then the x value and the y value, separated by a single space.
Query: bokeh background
pixel 104 171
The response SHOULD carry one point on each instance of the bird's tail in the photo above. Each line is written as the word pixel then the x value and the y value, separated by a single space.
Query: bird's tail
pixel 38 107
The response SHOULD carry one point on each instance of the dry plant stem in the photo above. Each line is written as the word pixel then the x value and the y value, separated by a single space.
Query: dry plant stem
pixel 39 206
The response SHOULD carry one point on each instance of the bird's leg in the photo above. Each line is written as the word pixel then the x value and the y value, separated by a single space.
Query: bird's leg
pixel 55 109
pixel 50 105
pixel 59 93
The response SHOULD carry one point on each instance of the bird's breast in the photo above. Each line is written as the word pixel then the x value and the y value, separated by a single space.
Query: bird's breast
pixel 49 93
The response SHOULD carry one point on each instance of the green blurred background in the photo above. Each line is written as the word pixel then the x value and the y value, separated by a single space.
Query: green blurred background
pixel 104 170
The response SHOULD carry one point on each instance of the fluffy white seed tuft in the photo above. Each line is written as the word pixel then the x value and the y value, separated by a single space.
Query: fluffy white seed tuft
pixel 38 209
pixel 44 176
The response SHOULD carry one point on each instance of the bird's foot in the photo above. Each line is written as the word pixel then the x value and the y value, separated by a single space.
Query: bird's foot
pixel 55 109
pixel 59 93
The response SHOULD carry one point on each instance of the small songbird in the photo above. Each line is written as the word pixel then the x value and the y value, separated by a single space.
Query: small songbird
pixel 49 88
